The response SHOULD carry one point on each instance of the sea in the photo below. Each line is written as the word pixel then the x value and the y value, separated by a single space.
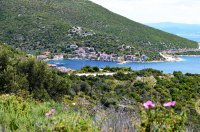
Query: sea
pixel 189 64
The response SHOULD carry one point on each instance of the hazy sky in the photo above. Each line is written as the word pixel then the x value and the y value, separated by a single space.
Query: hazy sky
pixel 151 11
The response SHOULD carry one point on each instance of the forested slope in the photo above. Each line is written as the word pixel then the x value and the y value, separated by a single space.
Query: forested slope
pixel 38 25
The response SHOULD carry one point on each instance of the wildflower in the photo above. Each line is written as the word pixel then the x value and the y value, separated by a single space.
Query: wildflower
pixel 148 104
pixel 73 103
pixel 169 104
pixel 173 103
pixel 50 112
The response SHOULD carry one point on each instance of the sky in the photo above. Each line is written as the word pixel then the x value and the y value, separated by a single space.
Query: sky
pixel 155 11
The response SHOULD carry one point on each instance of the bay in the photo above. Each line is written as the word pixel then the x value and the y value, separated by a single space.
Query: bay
pixel 190 64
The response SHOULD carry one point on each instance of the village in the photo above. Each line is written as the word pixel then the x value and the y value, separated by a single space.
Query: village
pixel 89 53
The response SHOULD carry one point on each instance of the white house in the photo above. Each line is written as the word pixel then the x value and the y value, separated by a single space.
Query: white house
pixel 199 45
pixel 58 57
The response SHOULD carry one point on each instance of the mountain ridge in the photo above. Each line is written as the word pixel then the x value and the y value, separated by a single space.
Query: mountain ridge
pixel 36 26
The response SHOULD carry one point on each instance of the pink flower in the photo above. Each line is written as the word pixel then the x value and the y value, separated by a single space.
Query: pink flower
pixel 48 114
pixel 52 110
pixel 169 104
pixel 148 104
pixel 173 103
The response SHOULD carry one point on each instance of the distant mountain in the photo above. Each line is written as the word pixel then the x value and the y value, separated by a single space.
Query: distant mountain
pixel 190 31
pixel 39 25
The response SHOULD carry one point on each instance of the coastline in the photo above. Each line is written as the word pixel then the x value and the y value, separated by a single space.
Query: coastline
pixel 164 58
pixel 125 62
pixel 188 65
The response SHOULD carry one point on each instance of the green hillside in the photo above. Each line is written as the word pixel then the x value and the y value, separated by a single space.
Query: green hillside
pixel 29 89
pixel 38 25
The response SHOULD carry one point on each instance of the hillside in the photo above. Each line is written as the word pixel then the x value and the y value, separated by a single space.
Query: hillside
pixel 29 89
pixel 41 25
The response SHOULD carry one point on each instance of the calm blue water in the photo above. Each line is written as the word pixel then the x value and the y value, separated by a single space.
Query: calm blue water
pixel 190 64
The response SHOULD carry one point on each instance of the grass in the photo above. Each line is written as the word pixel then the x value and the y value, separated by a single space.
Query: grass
pixel 17 114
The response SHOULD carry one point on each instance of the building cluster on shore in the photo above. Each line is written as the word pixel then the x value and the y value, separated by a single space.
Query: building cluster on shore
pixel 89 53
